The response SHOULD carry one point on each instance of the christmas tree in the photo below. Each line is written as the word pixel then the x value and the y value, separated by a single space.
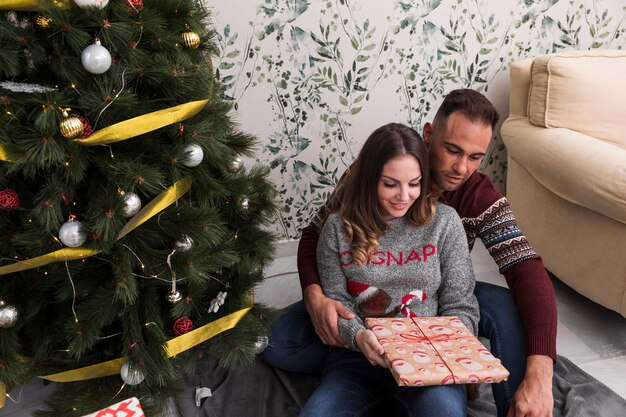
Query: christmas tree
pixel 131 232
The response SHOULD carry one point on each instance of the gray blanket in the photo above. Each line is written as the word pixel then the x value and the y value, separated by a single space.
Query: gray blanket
pixel 263 391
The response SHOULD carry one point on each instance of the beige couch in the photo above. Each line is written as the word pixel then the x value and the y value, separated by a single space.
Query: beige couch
pixel 566 181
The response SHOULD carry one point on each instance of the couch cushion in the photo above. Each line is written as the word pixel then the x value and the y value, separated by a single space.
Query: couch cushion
pixel 579 169
pixel 582 91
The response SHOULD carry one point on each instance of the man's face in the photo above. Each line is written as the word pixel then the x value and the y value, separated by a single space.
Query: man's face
pixel 455 149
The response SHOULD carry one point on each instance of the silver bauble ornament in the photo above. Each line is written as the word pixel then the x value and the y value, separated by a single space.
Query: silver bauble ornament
pixel 71 233
pixel 184 244
pixel 174 296
pixel 236 164
pixel 193 155
pixel 100 4
pixel 8 315
pixel 244 202
pixel 96 58
pixel 260 344
pixel 132 204
pixel 131 374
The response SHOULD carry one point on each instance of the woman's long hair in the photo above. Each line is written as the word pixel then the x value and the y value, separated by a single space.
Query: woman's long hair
pixel 356 199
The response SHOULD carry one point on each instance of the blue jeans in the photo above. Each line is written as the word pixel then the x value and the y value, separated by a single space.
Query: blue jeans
pixel 352 387
pixel 294 345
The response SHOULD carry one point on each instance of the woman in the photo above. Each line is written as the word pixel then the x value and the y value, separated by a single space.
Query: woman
pixel 387 249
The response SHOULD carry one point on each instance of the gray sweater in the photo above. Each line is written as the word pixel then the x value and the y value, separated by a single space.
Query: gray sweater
pixel 419 271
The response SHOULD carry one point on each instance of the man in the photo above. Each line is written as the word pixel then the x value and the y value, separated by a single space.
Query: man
pixel 520 324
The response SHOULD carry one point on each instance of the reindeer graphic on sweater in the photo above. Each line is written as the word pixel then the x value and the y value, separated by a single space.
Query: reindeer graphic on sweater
pixel 376 302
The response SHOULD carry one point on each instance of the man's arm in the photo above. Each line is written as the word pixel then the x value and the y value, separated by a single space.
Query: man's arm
pixel 323 310
pixel 534 298
pixel 534 395
pixel 487 215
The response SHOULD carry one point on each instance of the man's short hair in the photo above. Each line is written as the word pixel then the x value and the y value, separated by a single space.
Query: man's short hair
pixel 472 104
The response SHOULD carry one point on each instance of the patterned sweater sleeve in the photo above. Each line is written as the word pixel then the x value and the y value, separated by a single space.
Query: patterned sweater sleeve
pixel 333 280
pixel 456 293
pixel 525 275
pixel 488 216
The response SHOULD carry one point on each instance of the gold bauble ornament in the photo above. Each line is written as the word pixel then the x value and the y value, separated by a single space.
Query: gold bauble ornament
pixel 71 126
pixel 191 39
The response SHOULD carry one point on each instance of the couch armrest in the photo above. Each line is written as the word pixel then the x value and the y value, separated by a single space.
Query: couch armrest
pixel 520 84
pixel 576 167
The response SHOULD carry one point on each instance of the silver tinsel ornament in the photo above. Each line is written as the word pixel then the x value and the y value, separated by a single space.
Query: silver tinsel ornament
pixel 131 374
pixel 184 244
pixel 260 344
pixel 236 164
pixel 132 204
pixel 96 58
pixel 193 155
pixel 71 233
pixel 174 296
pixel 8 315
pixel 244 202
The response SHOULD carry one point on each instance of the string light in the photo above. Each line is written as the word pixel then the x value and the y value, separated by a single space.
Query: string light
pixel 19 395
pixel 73 291
pixel 110 150
pixel 111 102
pixel 131 251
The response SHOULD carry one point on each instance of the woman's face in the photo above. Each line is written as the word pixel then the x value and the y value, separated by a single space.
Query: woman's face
pixel 399 186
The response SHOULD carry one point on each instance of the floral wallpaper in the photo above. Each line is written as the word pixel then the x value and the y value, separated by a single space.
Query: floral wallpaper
pixel 312 79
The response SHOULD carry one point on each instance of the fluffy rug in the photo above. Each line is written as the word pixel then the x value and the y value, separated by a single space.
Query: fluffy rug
pixel 267 392
pixel 263 391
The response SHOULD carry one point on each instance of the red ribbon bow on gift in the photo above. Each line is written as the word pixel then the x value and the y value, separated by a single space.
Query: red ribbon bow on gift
pixel 438 338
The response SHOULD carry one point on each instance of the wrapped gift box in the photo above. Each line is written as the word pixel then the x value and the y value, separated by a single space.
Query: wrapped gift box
pixel 126 408
pixel 435 351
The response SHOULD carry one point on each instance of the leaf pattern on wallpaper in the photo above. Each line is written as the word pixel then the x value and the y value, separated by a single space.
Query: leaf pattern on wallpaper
pixel 318 65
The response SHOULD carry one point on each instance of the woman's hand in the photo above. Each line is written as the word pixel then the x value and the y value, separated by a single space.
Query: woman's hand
pixel 370 346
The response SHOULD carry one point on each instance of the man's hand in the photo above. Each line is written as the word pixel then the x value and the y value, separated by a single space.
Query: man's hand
pixel 534 395
pixel 324 312
pixel 370 346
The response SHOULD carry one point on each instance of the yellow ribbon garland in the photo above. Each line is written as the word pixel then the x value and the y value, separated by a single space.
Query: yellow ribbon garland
pixel 173 347
pixel 125 130
pixel 28 5
pixel 167 197
pixel 9 153
pixel 143 124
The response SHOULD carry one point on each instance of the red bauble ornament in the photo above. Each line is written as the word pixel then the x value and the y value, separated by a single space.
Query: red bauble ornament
pixel 182 325
pixel 87 129
pixel 9 199
pixel 135 4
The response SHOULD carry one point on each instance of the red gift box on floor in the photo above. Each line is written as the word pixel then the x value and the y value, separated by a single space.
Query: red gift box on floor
pixel 126 408
pixel 435 351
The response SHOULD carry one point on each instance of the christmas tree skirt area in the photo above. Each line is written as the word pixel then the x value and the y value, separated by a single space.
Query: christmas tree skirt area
pixel 260 390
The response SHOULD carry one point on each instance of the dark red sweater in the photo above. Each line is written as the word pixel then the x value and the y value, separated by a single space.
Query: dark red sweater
pixel 486 215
